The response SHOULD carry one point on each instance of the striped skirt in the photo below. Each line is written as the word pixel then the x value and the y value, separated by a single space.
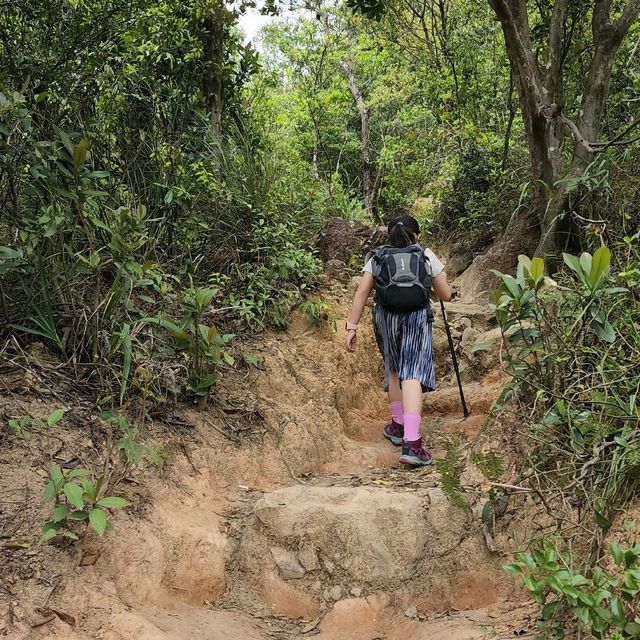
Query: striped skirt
pixel 408 351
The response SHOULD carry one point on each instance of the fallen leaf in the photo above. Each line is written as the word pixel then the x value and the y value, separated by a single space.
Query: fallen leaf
pixel 89 559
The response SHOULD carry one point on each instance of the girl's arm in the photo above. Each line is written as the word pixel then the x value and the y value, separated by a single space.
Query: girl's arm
pixel 359 302
pixel 441 287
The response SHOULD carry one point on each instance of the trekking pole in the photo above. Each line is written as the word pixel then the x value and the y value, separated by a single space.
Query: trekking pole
pixel 465 410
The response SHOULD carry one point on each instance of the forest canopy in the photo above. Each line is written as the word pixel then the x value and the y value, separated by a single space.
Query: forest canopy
pixel 149 154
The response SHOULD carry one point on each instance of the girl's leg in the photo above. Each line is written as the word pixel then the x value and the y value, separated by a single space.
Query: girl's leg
pixel 394 431
pixel 412 405
pixel 413 453
pixel 395 398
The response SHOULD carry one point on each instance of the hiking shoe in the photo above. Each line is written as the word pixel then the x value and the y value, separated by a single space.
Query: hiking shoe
pixel 394 432
pixel 415 455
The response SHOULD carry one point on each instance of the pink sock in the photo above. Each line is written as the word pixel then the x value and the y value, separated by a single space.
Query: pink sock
pixel 411 427
pixel 396 412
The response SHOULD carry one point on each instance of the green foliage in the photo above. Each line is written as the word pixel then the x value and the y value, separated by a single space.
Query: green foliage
pixel 604 602
pixel 573 350
pixel 450 469
pixel 121 200
pixel 318 311
pixel 26 425
pixel 573 353
pixel 202 344
pixel 77 499
pixel 131 448
pixel 489 463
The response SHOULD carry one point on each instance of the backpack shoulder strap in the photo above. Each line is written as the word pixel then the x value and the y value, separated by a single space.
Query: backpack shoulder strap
pixel 379 252
pixel 425 257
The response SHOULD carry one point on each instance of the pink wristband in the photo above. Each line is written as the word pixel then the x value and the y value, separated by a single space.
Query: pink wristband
pixel 352 326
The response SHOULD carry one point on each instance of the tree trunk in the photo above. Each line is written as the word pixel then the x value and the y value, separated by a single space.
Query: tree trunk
pixel 213 81
pixel 369 182
pixel 541 93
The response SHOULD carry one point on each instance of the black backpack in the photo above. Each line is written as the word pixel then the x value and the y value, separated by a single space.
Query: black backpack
pixel 402 278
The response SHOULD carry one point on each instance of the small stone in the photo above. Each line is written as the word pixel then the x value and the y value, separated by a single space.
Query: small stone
pixel 308 558
pixel 336 592
pixel 316 587
pixel 411 612
pixel 287 563
pixel 463 322
pixel 469 335
pixel 328 565
pixel 356 592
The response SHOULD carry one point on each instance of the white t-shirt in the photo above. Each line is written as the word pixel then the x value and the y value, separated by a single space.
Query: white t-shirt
pixel 436 265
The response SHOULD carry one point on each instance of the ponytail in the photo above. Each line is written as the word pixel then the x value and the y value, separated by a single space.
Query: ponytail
pixel 403 231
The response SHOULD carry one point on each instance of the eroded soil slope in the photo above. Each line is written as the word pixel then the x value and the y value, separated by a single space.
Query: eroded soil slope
pixel 281 513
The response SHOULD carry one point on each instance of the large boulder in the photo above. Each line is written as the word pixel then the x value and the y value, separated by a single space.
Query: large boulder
pixel 372 534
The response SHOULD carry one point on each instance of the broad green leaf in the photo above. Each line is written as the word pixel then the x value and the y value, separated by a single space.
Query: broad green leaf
pixel 113 502
pixel 89 489
pixel 55 417
pixel 56 475
pixel 631 555
pixel 537 269
pixel 617 609
pixel 586 260
pixel 599 267
pixel 251 359
pixel 617 553
pixel 586 599
pixel 74 494
pixel 49 530
pixel 50 492
pixel 604 330
pixel 78 473
pixel 584 615
pixel 80 152
pixel 66 140
pixel 98 520
pixel 574 264
pixel 78 515
pixel 70 535
pixel 525 261
pixel 514 569
pixel 511 284
pixel 60 512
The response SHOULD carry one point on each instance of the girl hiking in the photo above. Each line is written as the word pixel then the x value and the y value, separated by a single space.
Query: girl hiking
pixel 402 274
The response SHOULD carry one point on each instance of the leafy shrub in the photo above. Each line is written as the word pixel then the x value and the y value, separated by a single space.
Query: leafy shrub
pixel 318 311
pixel 77 499
pixel 604 602
pixel 573 350
pixel 574 354
pixel 132 449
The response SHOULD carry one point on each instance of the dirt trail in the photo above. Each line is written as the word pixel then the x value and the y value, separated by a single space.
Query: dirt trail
pixel 303 526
